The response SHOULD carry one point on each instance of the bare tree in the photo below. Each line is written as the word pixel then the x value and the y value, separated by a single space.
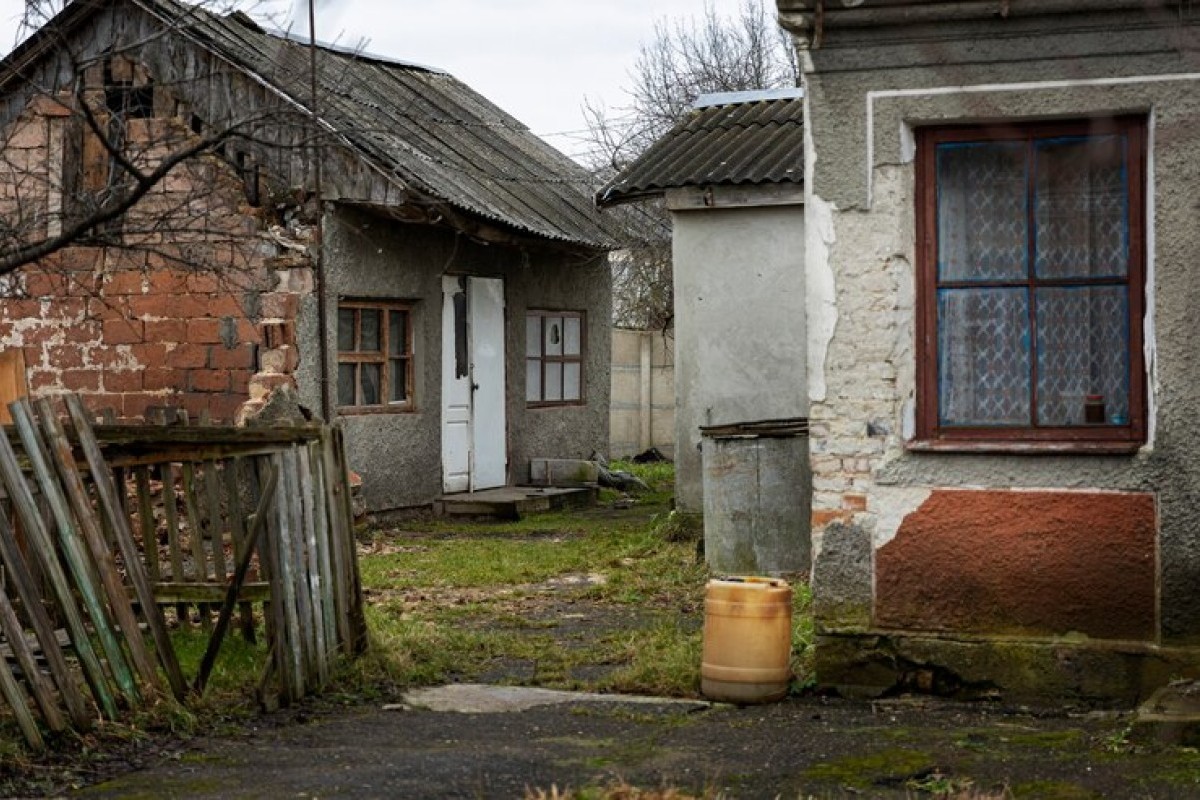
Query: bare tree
pixel 684 59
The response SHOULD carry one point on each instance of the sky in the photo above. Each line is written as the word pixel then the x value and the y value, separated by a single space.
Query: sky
pixel 536 59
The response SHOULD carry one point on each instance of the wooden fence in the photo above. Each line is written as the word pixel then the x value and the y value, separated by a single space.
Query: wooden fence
pixel 115 533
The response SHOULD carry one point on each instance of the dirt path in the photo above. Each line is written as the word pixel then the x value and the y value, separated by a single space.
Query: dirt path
pixel 799 748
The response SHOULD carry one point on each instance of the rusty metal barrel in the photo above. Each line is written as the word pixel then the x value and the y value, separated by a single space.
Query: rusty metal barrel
pixel 747 640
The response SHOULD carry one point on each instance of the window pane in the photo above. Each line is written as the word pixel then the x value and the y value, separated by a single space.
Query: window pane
pixel 1083 349
pixel 553 340
pixel 533 380
pixel 533 335
pixel 345 387
pixel 369 376
pixel 981 211
pixel 399 380
pixel 345 330
pixel 571 336
pixel 983 357
pixel 571 381
pixel 553 388
pixel 1081 207
pixel 369 330
pixel 397 333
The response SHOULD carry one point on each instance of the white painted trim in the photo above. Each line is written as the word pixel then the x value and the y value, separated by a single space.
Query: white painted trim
pixel 985 88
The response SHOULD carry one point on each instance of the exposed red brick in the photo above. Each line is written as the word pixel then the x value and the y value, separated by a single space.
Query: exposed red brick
pixel 149 354
pixel 22 309
pixel 166 330
pixel 823 516
pixel 280 305
pixel 208 380
pixel 188 356
pixel 81 380
pixel 65 357
pixel 240 357
pixel 239 383
pixel 203 331
pixel 86 331
pixel 278 334
pixel 1013 562
pixel 854 502
pixel 122 331
pixel 168 281
pixel 156 378
pixel 129 380
pixel 124 282
pixel 222 305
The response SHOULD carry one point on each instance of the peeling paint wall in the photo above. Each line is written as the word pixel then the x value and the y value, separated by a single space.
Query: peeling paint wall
pixel 867 90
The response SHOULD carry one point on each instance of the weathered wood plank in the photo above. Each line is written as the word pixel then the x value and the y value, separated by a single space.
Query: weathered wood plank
pixel 287 560
pixel 88 524
pixel 114 512
pixel 166 592
pixel 237 531
pixel 341 478
pixel 324 544
pixel 239 576
pixel 312 561
pixel 17 571
pixel 20 708
pixel 45 552
pixel 216 526
pixel 174 548
pixel 146 518
pixel 341 571
pixel 39 687
pixel 72 548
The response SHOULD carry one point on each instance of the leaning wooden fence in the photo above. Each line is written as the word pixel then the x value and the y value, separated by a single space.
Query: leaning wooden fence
pixel 112 534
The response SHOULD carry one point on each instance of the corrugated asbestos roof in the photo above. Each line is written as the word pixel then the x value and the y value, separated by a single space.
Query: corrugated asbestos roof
pixel 423 126
pixel 749 142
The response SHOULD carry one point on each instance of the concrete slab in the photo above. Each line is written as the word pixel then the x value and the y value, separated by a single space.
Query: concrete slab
pixel 511 502
pixel 1171 715
pixel 478 698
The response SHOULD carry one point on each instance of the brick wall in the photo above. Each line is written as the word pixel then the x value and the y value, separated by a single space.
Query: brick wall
pixel 194 309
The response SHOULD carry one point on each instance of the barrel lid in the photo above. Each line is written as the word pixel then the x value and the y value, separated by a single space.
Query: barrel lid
pixel 751 581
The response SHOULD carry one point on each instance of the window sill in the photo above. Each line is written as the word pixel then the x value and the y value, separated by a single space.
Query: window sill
pixel 557 404
pixel 354 411
pixel 1012 447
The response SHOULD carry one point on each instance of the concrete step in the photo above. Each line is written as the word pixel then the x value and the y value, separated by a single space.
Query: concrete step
pixel 513 502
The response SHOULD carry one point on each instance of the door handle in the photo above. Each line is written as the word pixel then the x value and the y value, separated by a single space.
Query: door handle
pixel 474 387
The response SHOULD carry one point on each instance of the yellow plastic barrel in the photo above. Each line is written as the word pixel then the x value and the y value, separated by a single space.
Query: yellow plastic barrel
pixel 747 640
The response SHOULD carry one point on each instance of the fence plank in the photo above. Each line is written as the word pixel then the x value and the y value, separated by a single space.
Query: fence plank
pixel 341 570
pixel 20 708
pixel 148 523
pixel 44 550
pixel 77 561
pixel 239 575
pixel 237 531
pixel 114 512
pixel 18 572
pixel 316 585
pixel 345 519
pixel 324 544
pixel 39 687
pixel 88 524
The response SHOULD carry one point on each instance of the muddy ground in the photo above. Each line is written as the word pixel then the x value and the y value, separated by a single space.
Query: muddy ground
pixel 809 746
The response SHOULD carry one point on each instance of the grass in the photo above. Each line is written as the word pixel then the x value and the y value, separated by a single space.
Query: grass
pixel 493 600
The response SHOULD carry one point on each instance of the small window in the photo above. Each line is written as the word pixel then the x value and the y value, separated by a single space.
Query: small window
pixel 375 356
pixel 1031 242
pixel 554 351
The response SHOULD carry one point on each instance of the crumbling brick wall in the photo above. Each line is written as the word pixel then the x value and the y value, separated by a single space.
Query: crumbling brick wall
pixel 193 305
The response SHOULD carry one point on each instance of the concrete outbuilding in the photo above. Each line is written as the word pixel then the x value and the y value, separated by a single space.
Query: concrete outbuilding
pixel 731 174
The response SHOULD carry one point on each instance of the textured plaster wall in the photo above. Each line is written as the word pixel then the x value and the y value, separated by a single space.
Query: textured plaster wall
pixel 739 326
pixel 398 455
pixel 866 92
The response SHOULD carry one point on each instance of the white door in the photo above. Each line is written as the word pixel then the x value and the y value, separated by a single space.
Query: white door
pixel 474 454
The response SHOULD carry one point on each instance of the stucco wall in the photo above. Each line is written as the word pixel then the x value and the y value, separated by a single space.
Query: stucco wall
pixel 866 92
pixel 398 455
pixel 643 393
pixel 739 322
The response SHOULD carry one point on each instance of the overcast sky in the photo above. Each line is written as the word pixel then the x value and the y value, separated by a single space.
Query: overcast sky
pixel 537 59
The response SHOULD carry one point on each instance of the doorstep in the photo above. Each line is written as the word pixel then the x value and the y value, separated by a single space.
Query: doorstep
pixel 512 502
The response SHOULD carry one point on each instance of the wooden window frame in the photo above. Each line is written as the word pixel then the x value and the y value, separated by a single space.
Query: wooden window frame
pixel 544 359
pixel 930 434
pixel 383 357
